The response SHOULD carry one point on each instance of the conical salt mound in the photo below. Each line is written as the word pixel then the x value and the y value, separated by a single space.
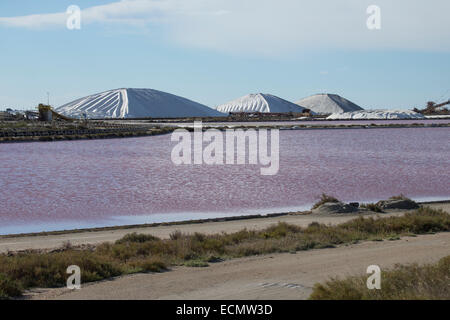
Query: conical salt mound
pixel 260 102
pixel 328 103
pixel 136 103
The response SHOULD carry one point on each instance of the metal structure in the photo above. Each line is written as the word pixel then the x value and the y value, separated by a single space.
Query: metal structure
pixel 441 104
pixel 46 113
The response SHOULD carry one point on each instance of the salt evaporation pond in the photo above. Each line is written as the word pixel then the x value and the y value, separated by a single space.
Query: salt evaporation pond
pixel 91 183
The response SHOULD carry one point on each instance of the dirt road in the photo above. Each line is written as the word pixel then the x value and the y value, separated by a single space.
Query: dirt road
pixel 276 276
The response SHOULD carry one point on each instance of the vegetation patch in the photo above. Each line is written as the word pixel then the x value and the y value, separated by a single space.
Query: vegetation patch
pixel 145 253
pixel 403 282
pixel 138 238
pixel 196 264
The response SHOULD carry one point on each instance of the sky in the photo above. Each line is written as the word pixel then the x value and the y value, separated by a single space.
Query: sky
pixel 213 51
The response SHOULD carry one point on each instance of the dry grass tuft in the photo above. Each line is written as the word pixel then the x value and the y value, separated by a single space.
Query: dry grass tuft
pixel 324 198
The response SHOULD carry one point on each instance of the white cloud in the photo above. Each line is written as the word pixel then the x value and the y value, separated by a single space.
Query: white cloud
pixel 134 12
pixel 271 27
pixel 35 20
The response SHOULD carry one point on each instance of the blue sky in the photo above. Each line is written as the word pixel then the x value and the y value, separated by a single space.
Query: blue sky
pixel 217 50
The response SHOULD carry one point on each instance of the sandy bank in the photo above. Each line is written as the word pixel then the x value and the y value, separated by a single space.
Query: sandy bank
pixel 52 241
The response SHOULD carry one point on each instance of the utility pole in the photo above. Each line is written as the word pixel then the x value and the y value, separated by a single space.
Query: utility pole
pixel 48 98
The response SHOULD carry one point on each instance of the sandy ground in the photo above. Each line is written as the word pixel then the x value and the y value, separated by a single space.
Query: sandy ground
pixel 276 276
pixel 96 237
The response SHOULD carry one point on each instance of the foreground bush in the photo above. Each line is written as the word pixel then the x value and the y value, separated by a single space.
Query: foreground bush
pixel 430 281
pixel 49 269
pixel 146 253
pixel 9 287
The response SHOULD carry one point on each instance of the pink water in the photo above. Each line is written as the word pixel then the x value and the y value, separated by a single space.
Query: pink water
pixel 74 184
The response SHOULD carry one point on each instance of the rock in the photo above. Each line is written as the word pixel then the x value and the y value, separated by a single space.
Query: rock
pixel 334 208
pixel 406 204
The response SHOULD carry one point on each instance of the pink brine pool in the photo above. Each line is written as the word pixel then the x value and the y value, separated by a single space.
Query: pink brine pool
pixel 76 184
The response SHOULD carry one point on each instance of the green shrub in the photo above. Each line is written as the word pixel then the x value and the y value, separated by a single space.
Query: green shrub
pixel 139 238
pixel 196 264
pixel 9 287
pixel 148 265
pixel 49 270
